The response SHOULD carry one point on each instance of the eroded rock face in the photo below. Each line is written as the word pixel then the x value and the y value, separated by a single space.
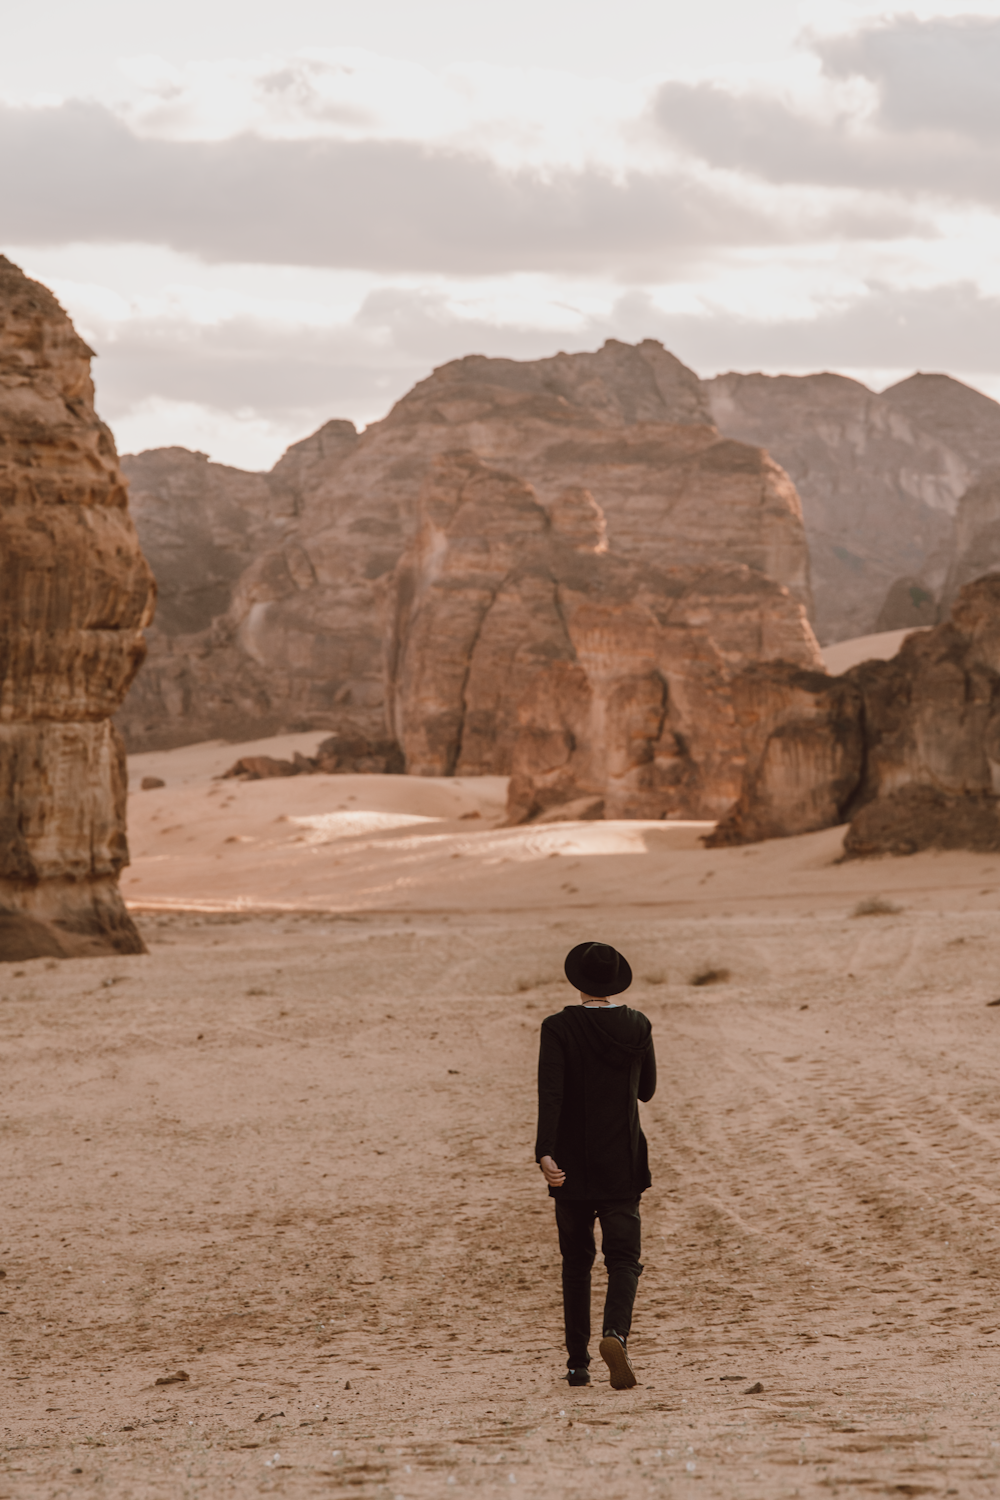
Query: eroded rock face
pixel 295 641
pixel 924 817
pixel 805 753
pixel 943 408
pixel 892 745
pixel 976 541
pixel 75 593
pixel 249 640
pixel 520 644
pixel 879 480
pixel 968 423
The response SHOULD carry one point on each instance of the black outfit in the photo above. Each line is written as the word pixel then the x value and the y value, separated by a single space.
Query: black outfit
pixel 594 1064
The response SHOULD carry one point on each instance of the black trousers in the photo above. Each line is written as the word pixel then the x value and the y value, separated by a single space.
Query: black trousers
pixel 621 1230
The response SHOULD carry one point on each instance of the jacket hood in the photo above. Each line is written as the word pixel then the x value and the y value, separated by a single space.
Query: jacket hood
pixel 619 1036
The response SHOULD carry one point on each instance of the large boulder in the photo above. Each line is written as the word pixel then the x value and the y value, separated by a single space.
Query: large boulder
pixel 279 623
pixel 908 749
pixel 75 594
pixel 520 644
pixel 803 739
pixel 932 712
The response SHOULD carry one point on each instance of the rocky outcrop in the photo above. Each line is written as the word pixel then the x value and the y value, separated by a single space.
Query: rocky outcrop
pixel 75 593
pixel 924 817
pixel 976 539
pixel 908 605
pixel 336 755
pixel 248 641
pixel 968 423
pixel 878 477
pixel 803 740
pixel 900 747
pixel 942 408
pixel 288 635
pixel 270 616
pixel 521 644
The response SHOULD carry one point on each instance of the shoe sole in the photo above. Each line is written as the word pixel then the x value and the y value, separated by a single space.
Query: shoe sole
pixel 618 1362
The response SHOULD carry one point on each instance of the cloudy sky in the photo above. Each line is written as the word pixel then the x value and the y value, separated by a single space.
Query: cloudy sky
pixel 262 214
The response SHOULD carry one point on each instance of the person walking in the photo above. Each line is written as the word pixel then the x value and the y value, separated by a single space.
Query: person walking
pixel 595 1061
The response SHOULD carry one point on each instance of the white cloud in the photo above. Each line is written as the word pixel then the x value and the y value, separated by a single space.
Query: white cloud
pixel 243 439
pixel 255 243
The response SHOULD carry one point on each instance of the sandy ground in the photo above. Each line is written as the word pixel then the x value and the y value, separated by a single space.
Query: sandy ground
pixel 289 1152
pixel 881 647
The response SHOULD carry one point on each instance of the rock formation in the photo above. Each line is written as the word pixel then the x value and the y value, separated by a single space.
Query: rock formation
pixel 909 604
pixel 976 538
pixel 963 419
pixel 879 481
pixel 969 423
pixel 282 627
pixel 521 644
pixel 803 741
pixel 75 593
pixel 270 615
pixel 336 755
pixel 245 643
pixel 907 749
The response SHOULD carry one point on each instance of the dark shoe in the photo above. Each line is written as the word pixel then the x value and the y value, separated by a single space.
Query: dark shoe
pixel 579 1377
pixel 613 1352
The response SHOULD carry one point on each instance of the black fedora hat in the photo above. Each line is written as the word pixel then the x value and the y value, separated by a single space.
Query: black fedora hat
pixel 597 969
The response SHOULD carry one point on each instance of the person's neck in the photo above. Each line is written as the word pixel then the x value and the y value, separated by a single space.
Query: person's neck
pixel 593 999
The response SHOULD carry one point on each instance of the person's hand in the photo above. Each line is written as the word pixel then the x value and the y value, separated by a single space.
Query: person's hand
pixel 551 1172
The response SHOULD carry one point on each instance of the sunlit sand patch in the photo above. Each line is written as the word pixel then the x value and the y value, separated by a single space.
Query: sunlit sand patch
pixel 409 844
pixel 539 841
pixel 360 831
pixel 324 827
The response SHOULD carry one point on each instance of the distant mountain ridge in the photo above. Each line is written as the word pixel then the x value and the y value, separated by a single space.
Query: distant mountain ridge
pixel 881 479
pixel 273 587
pixel 272 611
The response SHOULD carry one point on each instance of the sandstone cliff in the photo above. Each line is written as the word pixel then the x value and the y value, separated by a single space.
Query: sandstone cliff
pixel 521 644
pixel 295 564
pixel 942 408
pixel 878 480
pixel 969 423
pixel 75 593
pixel 976 539
pixel 907 749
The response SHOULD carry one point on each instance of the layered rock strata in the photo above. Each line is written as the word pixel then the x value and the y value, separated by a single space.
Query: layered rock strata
pixel 75 594
pixel 969 424
pixel 520 644
pixel 283 626
pixel 976 539
pixel 803 741
pixel 907 749
pixel 879 479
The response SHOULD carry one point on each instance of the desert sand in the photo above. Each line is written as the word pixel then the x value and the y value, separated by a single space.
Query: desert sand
pixel 879 647
pixel 289 1153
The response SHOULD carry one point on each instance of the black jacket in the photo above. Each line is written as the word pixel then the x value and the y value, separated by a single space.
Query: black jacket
pixel 593 1066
